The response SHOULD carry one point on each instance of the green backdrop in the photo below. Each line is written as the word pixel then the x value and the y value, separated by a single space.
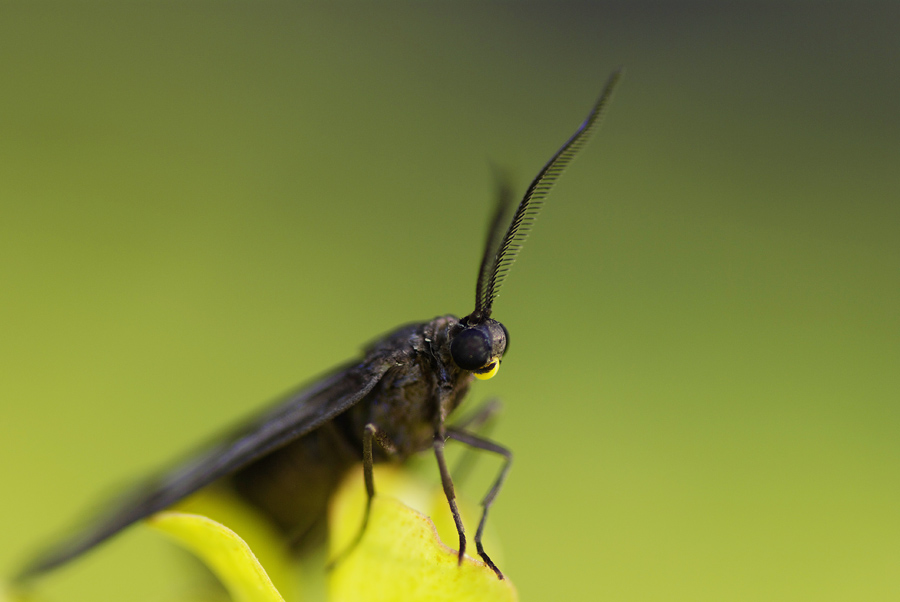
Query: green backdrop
pixel 203 205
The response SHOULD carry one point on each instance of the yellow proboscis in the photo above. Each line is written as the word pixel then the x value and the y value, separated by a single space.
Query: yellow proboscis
pixel 494 367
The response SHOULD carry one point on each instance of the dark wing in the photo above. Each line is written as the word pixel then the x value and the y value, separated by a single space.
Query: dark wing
pixel 299 414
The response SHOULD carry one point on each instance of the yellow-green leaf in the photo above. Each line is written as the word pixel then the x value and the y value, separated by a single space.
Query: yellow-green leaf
pixel 223 551
pixel 267 542
pixel 400 556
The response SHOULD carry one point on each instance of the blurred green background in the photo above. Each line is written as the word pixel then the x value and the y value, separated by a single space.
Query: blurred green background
pixel 203 205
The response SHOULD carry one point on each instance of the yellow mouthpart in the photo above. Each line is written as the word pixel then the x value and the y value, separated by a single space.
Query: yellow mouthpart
pixel 487 372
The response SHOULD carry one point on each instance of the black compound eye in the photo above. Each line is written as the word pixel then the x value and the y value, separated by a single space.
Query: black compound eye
pixel 470 349
pixel 506 336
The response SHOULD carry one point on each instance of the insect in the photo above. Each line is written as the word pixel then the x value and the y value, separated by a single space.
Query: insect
pixel 389 405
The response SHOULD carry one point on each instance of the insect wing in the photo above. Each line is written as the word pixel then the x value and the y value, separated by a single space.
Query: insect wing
pixel 301 413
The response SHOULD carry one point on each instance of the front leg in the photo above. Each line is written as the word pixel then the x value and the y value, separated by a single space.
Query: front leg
pixel 477 442
pixel 447 482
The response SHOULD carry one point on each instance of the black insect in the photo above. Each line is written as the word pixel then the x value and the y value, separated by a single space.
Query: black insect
pixel 288 461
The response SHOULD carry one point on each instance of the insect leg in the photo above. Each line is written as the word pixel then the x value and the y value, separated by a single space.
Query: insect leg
pixel 480 421
pixel 370 434
pixel 477 442
pixel 447 482
pixel 482 415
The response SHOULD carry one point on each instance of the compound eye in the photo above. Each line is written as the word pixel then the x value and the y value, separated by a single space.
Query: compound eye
pixel 470 349
pixel 506 336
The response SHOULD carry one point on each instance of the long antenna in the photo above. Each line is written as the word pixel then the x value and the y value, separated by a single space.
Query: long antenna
pixel 492 244
pixel 495 264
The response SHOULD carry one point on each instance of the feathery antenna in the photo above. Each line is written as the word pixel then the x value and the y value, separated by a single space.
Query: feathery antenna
pixel 499 257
